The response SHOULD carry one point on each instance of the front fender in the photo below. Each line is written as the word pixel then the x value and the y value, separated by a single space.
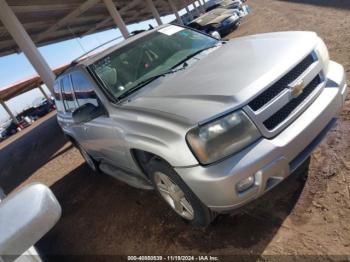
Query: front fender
pixel 159 135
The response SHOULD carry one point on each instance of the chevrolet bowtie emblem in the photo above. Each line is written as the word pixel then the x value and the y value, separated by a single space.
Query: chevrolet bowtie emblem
pixel 297 88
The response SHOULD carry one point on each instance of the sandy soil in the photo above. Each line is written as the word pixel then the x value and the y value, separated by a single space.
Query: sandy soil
pixel 104 216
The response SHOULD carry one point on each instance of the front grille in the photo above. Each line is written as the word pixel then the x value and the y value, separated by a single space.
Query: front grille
pixel 288 109
pixel 281 84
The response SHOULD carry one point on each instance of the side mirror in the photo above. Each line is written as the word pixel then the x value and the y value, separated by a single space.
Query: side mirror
pixel 25 217
pixel 86 113
pixel 216 35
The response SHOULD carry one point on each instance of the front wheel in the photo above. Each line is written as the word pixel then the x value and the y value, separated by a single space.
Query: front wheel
pixel 178 195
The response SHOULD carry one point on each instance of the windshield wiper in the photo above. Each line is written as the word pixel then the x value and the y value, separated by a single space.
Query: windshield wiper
pixel 141 84
pixel 193 55
pixel 174 69
pixel 151 79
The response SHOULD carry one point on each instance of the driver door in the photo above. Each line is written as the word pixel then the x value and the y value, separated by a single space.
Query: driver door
pixel 102 138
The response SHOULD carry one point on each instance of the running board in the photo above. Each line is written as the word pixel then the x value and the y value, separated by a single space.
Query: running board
pixel 126 177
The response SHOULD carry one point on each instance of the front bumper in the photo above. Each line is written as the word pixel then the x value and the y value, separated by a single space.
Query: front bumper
pixel 269 160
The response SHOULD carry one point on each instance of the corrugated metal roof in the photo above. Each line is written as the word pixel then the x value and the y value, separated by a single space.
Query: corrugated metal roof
pixel 50 21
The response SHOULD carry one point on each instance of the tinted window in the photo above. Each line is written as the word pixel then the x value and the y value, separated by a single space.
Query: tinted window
pixel 58 97
pixel 67 93
pixel 83 89
pixel 195 26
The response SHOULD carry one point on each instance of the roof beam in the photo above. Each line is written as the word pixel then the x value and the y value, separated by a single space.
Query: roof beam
pixel 154 11
pixel 65 34
pixel 118 20
pixel 40 24
pixel 133 4
pixel 67 19
pixel 97 26
pixel 68 31
pixel 42 8
pixel 189 14
pixel 9 112
pixel 23 40
pixel 175 11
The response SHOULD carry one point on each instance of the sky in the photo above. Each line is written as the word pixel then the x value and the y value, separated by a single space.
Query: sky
pixel 16 66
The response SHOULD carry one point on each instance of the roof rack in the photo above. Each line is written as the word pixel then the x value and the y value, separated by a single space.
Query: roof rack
pixel 85 55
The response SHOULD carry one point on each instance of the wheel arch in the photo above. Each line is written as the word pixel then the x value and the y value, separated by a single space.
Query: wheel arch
pixel 142 157
pixel 71 139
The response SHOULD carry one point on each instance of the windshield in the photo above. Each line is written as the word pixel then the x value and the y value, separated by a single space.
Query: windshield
pixel 149 56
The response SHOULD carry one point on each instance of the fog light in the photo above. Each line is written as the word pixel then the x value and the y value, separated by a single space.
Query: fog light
pixel 244 184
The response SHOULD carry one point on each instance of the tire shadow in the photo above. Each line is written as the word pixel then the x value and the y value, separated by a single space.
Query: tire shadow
pixel 104 216
pixel 29 152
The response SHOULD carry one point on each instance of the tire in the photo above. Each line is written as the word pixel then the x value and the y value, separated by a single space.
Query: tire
pixel 93 164
pixel 159 171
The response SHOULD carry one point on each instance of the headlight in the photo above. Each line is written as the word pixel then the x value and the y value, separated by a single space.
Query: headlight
pixel 322 52
pixel 223 137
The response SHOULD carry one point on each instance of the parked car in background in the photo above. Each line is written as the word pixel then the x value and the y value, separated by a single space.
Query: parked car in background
pixel 237 6
pixel 211 125
pixel 2 134
pixel 24 123
pixel 8 130
pixel 219 20
pixel 227 4
pixel 42 107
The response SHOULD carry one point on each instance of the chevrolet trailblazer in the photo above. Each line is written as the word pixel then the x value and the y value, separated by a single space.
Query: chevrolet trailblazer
pixel 210 124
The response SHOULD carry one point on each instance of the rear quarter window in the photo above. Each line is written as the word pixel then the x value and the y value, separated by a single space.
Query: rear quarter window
pixel 68 94
pixel 83 89
pixel 58 97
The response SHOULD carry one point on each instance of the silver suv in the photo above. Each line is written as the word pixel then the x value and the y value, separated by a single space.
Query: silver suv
pixel 210 124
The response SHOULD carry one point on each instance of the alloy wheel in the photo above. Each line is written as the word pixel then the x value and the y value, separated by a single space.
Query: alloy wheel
pixel 174 196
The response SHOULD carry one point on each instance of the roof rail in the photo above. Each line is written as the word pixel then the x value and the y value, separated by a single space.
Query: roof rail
pixel 76 60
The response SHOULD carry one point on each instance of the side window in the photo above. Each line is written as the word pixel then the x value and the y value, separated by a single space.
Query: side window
pixel 84 90
pixel 67 93
pixel 58 97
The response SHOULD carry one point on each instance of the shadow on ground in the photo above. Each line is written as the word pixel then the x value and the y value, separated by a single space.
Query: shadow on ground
pixel 340 4
pixel 22 157
pixel 104 216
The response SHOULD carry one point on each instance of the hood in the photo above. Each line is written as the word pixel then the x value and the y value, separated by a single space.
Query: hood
pixel 226 78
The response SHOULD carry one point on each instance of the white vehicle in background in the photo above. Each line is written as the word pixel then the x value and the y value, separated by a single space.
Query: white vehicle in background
pixel 237 6
pixel 228 4
pixel 25 217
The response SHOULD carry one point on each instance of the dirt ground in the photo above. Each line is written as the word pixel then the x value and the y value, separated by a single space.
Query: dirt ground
pixel 104 216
